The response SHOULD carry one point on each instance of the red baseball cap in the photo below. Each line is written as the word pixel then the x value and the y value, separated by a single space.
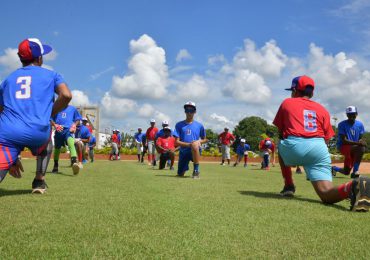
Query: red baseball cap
pixel 32 48
pixel 301 82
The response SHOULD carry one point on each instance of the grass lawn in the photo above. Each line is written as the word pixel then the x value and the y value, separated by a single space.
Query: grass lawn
pixel 124 209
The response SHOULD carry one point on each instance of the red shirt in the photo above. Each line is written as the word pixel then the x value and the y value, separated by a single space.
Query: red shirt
pixel 115 139
pixel 166 143
pixel 262 144
pixel 226 138
pixel 150 133
pixel 303 117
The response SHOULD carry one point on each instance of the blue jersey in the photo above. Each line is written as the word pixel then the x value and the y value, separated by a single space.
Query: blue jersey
pixel 242 149
pixel 351 132
pixel 139 137
pixel 27 96
pixel 92 142
pixel 189 132
pixel 82 132
pixel 67 117
pixel 160 133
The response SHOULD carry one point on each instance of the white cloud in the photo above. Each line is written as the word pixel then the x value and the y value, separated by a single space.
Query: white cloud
pixel 146 110
pixel 183 55
pixel 194 89
pixel 248 87
pixel 113 107
pixel 160 117
pixel 79 98
pixel 50 56
pixel 147 76
pixel 213 60
pixel 10 60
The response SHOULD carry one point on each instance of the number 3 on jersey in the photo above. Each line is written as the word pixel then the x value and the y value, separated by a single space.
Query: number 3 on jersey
pixel 310 120
pixel 25 91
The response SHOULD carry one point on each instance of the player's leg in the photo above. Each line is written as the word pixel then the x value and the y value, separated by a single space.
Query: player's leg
pixel 79 150
pixel 345 150
pixel 266 160
pixel 172 160
pixel 356 153
pixel 73 152
pixel 245 159
pixel 91 154
pixel 237 160
pixel 286 152
pixel 8 157
pixel 42 162
pixel 183 165
pixel 139 151
pixel 227 154
pixel 162 161
pixel 223 154
pixel 58 143
pixel 150 147
pixel 195 152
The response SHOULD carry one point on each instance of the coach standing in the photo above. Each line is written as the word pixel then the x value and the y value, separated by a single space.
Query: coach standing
pixel 226 139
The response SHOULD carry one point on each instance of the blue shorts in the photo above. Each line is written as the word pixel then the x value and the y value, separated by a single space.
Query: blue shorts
pixel 311 153
pixel 185 157
pixel 60 138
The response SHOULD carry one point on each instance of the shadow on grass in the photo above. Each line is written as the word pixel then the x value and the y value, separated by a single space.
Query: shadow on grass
pixel 168 175
pixel 13 192
pixel 271 195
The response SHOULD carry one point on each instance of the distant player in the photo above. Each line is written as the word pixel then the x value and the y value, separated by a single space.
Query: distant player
pixel 160 133
pixel 65 127
pixel 350 143
pixel 145 148
pixel 82 138
pixel 114 152
pixel 226 139
pixel 26 105
pixel 242 152
pixel 189 135
pixel 138 137
pixel 150 139
pixel 119 144
pixel 305 129
pixel 267 150
pixel 166 147
pixel 92 144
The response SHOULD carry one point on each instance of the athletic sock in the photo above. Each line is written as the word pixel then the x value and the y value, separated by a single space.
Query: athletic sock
pixel 71 146
pixel 245 159
pixel 344 190
pixel 56 154
pixel 287 175
pixel 149 158
pixel 337 169
pixel 196 167
pixel 356 166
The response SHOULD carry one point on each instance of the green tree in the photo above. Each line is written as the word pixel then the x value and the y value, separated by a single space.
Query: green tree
pixel 251 128
pixel 212 138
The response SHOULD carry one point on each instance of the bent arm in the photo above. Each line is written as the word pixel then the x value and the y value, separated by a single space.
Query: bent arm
pixel 64 97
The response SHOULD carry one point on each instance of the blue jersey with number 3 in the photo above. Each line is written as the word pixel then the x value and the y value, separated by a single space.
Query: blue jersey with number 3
pixel 27 96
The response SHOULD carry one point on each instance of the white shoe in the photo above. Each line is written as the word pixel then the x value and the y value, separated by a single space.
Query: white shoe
pixel 75 168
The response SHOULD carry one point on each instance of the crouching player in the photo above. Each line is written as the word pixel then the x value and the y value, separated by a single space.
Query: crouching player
pixel 92 144
pixel 189 135
pixel 242 152
pixel 82 137
pixel 166 147
pixel 305 129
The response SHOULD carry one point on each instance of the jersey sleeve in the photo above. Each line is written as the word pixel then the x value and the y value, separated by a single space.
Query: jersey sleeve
pixel 76 116
pixel 1 94
pixel 176 132
pixel 58 79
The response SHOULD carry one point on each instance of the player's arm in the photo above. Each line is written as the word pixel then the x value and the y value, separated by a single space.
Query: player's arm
pixel 181 143
pixel 349 142
pixel 64 97
pixel 57 127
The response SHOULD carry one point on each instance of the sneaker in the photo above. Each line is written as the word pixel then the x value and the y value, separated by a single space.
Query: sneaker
pixel 118 157
pixel 55 168
pixel 149 163
pixel 172 168
pixel 288 191
pixel 39 186
pixel 333 172
pixel 245 165
pixel 75 168
pixel 84 161
pixel 355 175
pixel 196 175
pixel 235 164
pixel 154 163
pixel 298 171
pixel 360 194
pixel 223 164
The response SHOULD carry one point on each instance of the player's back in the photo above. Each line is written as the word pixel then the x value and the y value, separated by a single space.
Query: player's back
pixel 27 97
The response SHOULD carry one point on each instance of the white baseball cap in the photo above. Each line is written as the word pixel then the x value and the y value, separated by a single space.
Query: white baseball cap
pixel 165 122
pixel 190 104
pixel 351 110
pixel 242 140
pixel 167 128
pixel 152 120
pixel 84 119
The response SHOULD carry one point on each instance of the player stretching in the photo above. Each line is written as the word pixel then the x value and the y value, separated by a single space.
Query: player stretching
pixel 65 126
pixel 92 144
pixel 267 147
pixel 226 139
pixel 189 135
pixel 350 143
pixel 26 105
pixel 166 147
pixel 305 129
pixel 242 151
pixel 82 138
pixel 150 137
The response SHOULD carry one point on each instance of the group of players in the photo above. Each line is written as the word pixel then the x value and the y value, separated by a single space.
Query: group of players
pixel 28 112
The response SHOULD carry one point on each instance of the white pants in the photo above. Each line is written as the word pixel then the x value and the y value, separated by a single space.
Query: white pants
pixel 225 152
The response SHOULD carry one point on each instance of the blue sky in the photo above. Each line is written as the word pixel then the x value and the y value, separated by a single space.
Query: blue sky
pixel 143 59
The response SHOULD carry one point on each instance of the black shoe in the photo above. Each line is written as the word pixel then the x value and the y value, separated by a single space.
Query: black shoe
pixel 55 168
pixel 39 186
pixel 196 175
pixel 333 172
pixel 360 194
pixel 298 171
pixel 288 191
pixel 355 175
pixel 154 163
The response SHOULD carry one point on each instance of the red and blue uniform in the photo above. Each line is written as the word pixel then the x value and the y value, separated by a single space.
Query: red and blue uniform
pixel 82 132
pixel 27 97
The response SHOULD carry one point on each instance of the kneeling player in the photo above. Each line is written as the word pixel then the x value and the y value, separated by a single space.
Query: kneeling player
pixel 242 152
pixel 166 147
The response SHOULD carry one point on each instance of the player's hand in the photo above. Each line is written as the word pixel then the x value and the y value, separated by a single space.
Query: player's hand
pixel 16 169
pixel 58 128
pixel 77 140
pixel 197 142
pixel 72 129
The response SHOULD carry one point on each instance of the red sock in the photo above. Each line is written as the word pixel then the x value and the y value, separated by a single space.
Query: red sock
pixel 149 158
pixel 245 159
pixel 287 175
pixel 80 157
pixel 344 190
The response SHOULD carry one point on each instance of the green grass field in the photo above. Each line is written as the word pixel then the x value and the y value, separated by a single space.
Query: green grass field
pixel 124 209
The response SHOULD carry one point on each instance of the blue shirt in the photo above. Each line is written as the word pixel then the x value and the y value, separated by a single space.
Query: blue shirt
pixel 139 137
pixel 241 149
pixel 160 133
pixel 67 117
pixel 27 96
pixel 92 142
pixel 189 132
pixel 82 132
pixel 351 132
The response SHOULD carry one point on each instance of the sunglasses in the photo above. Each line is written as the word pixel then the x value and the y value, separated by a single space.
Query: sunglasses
pixel 189 110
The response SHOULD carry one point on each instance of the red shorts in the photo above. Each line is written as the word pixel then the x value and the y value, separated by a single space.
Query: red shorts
pixel 348 160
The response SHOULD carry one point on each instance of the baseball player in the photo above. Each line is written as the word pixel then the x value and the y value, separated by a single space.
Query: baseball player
pixel 65 127
pixel 304 131
pixel 226 139
pixel 350 143
pixel 92 144
pixel 166 147
pixel 242 152
pixel 26 105
pixel 266 147
pixel 82 138
pixel 114 152
pixel 189 135
pixel 138 137
pixel 150 139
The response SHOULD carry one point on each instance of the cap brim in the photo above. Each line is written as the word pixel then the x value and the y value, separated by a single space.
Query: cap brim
pixel 47 49
pixel 289 89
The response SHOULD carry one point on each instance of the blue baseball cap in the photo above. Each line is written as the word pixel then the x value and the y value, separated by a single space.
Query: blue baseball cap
pixel 32 48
